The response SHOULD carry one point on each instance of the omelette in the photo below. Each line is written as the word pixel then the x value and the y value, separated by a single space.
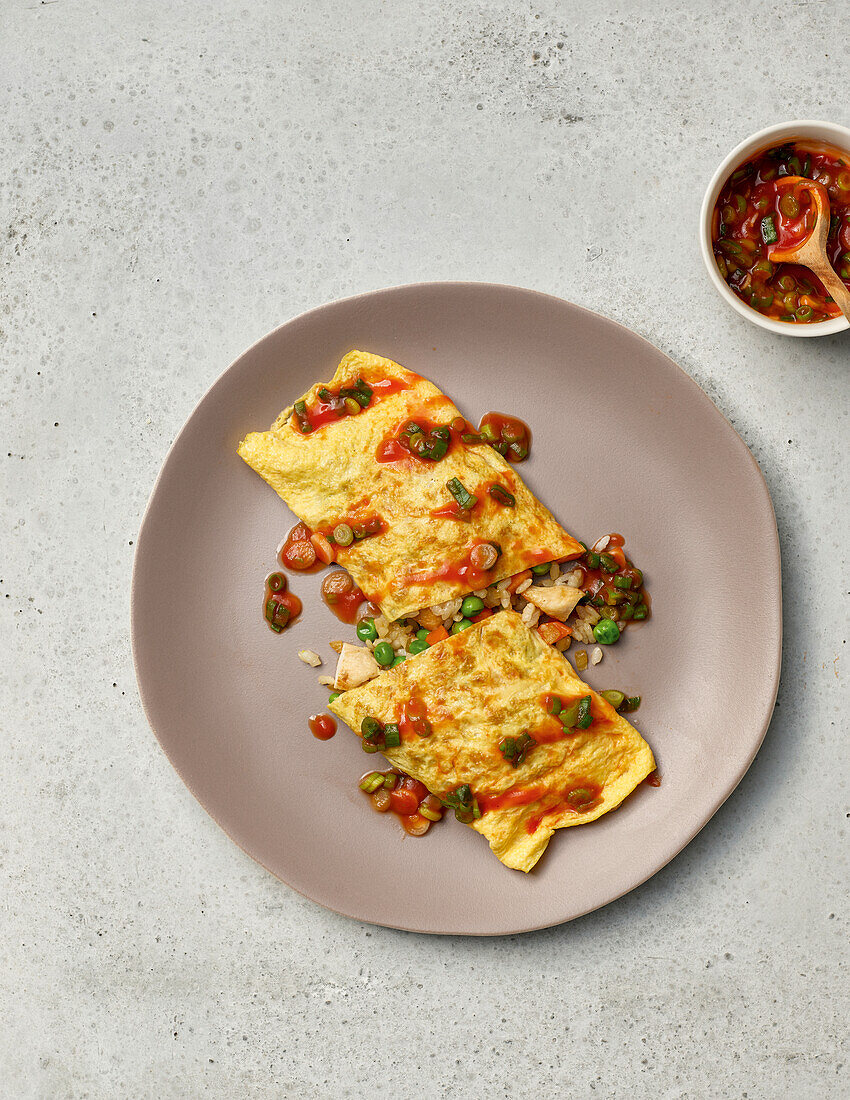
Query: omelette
pixel 498 725
pixel 435 511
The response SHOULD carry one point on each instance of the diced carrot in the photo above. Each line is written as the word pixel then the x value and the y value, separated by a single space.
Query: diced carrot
pixel 483 614
pixel 516 581
pixel 552 632
pixel 324 551
pixel 438 635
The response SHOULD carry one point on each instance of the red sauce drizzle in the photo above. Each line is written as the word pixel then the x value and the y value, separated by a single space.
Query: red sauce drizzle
pixel 282 598
pixel 653 779
pixel 322 726
pixel 514 796
pixel 579 799
pixel 405 801
pixel 342 596
pixel 330 411
pixel 511 436
pixel 391 449
pixel 297 552
pixel 414 721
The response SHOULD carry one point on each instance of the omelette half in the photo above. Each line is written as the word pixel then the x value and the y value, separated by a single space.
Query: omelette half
pixel 493 681
pixel 340 455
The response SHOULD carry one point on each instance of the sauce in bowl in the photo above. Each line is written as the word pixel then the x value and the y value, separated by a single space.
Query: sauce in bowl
pixel 759 209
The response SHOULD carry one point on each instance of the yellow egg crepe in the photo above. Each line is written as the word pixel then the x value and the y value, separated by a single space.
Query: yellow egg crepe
pixel 468 694
pixel 333 466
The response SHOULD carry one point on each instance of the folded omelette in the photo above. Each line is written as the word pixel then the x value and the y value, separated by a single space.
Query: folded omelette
pixel 421 548
pixel 475 705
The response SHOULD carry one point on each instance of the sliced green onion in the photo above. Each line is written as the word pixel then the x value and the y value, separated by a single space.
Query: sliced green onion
pixel 472 437
pixel 343 535
pixel 465 499
pixel 789 205
pixel 431 815
pixel 368 746
pixel 300 408
pixel 741 203
pixel 640 612
pixel 392 735
pixel 609 564
pixel 276 582
pixel 352 406
pixel 584 715
pixel 554 705
pixel 370 726
pixel 569 717
pixel 615 698
pixel 592 559
pixel 371 782
pixel 334 695
pixel 390 781
pixel 768 230
pixel 631 703
pixel 623 582
pixel 271 606
pixel 500 494
pixel 438 449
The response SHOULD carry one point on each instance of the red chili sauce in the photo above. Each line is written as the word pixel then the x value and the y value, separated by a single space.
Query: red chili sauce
pixel 334 405
pixel 306 551
pixel 508 435
pixel 420 437
pixel 322 726
pixel 653 779
pixel 280 607
pixel 611 580
pixel 298 551
pixel 394 791
pixel 579 800
pixel 414 721
pixel 342 595
pixel 756 212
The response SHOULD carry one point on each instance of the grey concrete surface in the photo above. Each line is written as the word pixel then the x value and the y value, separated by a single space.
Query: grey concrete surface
pixel 178 178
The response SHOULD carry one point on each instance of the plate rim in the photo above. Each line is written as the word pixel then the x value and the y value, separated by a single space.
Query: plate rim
pixel 556 301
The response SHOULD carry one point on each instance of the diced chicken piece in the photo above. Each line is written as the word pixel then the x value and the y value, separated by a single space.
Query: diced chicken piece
pixel 557 601
pixel 356 665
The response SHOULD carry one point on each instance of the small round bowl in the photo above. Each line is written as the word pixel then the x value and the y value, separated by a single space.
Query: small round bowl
pixel 828 132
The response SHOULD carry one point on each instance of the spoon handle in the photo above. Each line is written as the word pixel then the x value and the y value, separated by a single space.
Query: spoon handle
pixel 836 287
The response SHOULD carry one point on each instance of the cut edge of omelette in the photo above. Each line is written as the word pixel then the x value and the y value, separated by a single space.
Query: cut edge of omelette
pixel 506 666
pixel 402 568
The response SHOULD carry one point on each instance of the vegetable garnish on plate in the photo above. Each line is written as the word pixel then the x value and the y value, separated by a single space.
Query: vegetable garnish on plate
pixel 760 207
pixel 497 725
pixel 338 477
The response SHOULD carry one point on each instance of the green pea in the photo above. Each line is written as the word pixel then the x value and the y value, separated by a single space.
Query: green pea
pixel 334 695
pixel 471 606
pixel 539 570
pixel 384 654
pixel 366 630
pixel 418 645
pixel 399 660
pixel 422 633
pixel 462 625
pixel 606 632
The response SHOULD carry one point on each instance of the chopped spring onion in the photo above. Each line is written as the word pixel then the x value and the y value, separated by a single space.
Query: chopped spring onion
pixel 640 612
pixel 768 230
pixel 584 715
pixel 465 499
pixel 371 782
pixel 609 564
pixel 515 749
pixel 632 703
pixel 369 727
pixel 615 698
pixel 392 736
pixel 343 535
pixel 553 704
pixel 276 582
pixel 431 815
pixel 592 559
pixel 502 496
pixel 623 582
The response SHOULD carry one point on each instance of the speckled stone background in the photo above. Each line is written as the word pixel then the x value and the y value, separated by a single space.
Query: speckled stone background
pixel 178 178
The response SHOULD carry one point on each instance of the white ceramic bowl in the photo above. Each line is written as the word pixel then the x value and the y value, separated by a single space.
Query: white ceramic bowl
pixel 829 132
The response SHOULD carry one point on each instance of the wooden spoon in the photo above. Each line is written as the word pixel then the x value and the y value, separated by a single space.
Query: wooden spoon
pixel 811 252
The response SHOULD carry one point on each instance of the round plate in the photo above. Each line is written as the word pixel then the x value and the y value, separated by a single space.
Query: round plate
pixel 623 441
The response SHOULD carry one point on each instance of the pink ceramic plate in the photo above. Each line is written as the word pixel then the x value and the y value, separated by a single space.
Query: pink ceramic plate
pixel 623 441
